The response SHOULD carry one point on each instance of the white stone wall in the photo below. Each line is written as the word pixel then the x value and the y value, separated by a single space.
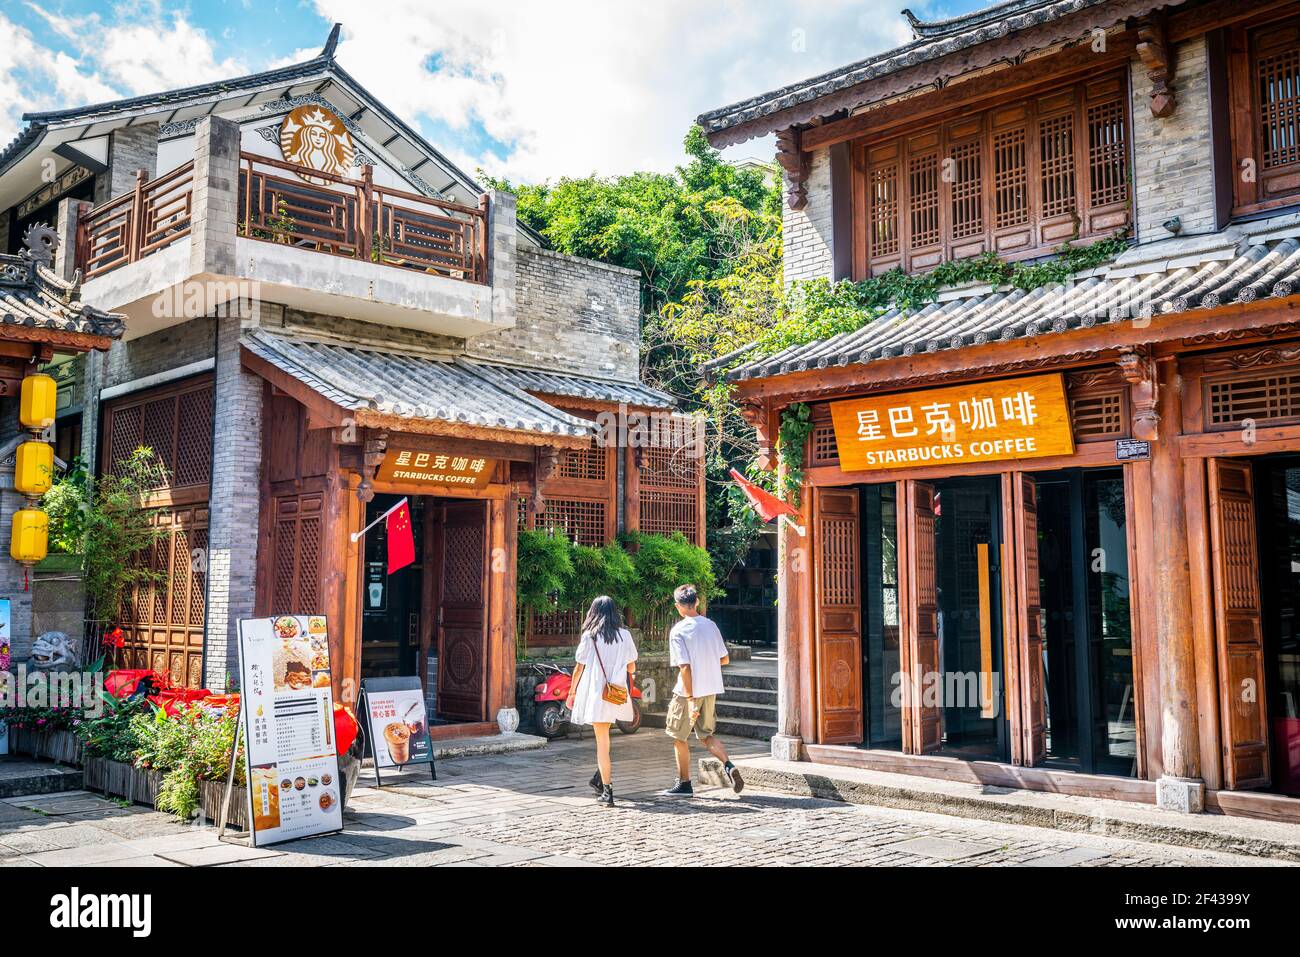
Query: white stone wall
pixel 808 233
pixel 1173 163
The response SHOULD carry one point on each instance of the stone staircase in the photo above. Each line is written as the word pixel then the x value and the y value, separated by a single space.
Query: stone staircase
pixel 747 707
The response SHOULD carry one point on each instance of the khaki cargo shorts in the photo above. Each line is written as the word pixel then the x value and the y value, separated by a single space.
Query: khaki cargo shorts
pixel 679 725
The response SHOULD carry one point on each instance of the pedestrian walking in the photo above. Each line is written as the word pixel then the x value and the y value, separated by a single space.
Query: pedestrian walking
pixel 601 690
pixel 696 649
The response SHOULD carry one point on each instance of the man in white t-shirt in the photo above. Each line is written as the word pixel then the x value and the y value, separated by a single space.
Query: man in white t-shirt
pixel 697 651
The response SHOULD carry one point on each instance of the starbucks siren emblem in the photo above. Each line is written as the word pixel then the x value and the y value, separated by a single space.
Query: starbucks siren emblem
pixel 317 139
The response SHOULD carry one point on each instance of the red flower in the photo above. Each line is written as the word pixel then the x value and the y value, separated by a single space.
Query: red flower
pixel 114 639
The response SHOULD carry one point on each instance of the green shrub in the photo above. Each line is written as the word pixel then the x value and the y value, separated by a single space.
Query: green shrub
pixel 544 566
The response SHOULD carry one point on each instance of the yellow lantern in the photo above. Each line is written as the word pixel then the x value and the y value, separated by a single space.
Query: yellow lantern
pixel 36 408
pixel 29 539
pixel 34 468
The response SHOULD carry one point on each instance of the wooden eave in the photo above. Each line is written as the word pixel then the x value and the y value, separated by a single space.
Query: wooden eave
pixel 1168 334
pixel 330 414
pixel 61 340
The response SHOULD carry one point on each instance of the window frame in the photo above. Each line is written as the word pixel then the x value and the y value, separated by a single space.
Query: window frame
pixel 1032 235
pixel 1245 126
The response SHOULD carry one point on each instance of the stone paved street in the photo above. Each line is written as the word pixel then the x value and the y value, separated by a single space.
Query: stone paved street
pixel 533 809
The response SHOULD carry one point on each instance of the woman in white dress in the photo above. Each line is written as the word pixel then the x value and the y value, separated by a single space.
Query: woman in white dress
pixel 606 657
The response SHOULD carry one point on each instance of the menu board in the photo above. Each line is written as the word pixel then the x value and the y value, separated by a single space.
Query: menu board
pixel 399 728
pixel 294 785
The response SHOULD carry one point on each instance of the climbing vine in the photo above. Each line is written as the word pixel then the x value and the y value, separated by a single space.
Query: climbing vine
pixel 796 426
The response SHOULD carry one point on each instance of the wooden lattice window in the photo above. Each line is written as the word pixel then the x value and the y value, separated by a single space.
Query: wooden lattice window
pixel 1016 179
pixel 296 546
pixel 671 483
pixel 163 621
pixel 822 446
pixel 591 464
pixel 1264 78
pixel 1098 416
pixel 1263 397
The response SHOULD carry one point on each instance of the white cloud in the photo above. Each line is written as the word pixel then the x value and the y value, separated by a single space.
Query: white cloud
pixel 570 87
pixel 574 88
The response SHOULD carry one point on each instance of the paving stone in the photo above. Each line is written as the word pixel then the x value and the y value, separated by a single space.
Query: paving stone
pixel 216 854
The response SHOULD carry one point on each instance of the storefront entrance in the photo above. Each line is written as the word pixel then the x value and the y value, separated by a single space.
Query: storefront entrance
pixel 430 618
pixel 968 578
pixel 1277 493
pixel 1087 628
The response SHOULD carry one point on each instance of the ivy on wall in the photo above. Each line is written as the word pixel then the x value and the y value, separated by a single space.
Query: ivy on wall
pixel 792 445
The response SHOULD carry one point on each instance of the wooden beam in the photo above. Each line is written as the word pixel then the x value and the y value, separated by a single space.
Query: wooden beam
pixel 998 83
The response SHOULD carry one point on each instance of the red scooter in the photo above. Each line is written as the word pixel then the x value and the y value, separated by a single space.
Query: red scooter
pixel 552 717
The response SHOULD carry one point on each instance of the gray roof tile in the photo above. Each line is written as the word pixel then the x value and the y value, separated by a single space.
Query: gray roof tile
pixel 451 390
pixel 32 295
pixel 601 390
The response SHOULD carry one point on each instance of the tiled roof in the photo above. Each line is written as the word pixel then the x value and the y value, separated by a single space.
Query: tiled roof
pixel 449 390
pixel 933 42
pixel 1239 265
pixel 601 390
pixel 32 295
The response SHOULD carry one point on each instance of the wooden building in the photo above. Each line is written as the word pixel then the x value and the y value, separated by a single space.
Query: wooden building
pixel 1050 532
pixel 323 314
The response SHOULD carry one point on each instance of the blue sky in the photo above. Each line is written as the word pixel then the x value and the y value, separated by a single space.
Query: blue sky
pixel 533 89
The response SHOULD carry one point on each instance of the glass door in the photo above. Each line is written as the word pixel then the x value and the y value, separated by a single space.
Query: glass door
pixel 1277 484
pixel 968 583
pixel 881 660
pixel 1087 629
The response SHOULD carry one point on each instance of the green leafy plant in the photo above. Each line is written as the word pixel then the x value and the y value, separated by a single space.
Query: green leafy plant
pixel 544 565
pixel 113 525
pixel 113 735
pixel 195 745
pixel 796 426
pixel 67 504
pixel 663 562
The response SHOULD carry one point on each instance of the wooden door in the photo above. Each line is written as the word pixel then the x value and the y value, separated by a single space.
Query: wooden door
pixel 1033 707
pixel 460 553
pixel 838 607
pixel 1238 624
pixel 923 643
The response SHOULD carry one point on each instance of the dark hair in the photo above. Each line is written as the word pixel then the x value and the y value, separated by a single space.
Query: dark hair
pixel 686 595
pixel 603 620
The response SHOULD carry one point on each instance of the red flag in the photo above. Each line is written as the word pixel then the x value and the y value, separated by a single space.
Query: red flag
pixel 767 505
pixel 401 542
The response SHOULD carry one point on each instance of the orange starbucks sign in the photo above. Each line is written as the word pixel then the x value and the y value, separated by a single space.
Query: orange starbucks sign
pixel 423 467
pixel 985 422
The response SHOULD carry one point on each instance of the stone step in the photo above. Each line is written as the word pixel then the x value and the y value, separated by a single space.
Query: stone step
pixel 754 712
pixel 748 695
pixel 20 777
pixel 741 679
pixel 746 728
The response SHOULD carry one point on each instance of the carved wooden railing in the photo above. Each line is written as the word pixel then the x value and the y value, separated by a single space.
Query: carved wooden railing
pixel 332 214
pixel 149 218
pixel 356 219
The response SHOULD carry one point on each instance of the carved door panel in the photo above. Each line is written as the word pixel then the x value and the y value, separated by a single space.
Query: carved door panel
pixel 927 719
pixel 838 585
pixel 1238 624
pixel 460 567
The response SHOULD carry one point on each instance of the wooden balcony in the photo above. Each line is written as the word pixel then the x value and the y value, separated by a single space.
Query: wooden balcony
pixel 334 215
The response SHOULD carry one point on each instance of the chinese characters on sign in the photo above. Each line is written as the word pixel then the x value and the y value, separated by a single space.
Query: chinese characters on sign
pixel 436 468
pixel 294 787
pixel 986 422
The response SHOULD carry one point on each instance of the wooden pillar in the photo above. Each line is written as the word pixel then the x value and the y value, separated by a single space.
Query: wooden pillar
pixel 1181 787
pixel 794 562
pixel 502 545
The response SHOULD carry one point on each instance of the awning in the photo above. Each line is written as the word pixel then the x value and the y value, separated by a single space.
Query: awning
pixel 409 393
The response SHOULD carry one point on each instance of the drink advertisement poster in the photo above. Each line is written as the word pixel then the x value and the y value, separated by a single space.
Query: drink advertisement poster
pixel 399 730
pixel 294 786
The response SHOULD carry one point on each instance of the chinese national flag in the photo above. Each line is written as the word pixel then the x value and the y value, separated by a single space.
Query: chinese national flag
pixel 767 505
pixel 401 541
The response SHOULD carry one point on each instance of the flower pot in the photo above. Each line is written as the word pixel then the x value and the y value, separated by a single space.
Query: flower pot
pixel 119 779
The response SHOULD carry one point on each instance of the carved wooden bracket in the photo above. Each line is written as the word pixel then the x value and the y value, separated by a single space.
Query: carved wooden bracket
pixel 373 449
pixel 548 460
pixel 1158 57
pixel 1139 371
pixel 794 161
pixel 756 416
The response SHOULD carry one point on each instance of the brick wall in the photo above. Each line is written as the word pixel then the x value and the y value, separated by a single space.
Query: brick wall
pixel 571 315
pixel 808 236
pixel 1172 162
pixel 129 149
pixel 233 505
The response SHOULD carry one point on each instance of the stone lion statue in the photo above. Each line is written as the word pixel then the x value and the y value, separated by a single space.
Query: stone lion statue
pixel 55 650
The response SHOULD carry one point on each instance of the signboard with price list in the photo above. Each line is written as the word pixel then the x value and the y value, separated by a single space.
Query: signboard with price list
pixel 287 708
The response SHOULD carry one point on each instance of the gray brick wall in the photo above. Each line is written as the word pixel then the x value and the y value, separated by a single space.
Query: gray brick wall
pixel 571 315
pixel 1173 171
pixel 130 148
pixel 233 506
pixel 808 236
